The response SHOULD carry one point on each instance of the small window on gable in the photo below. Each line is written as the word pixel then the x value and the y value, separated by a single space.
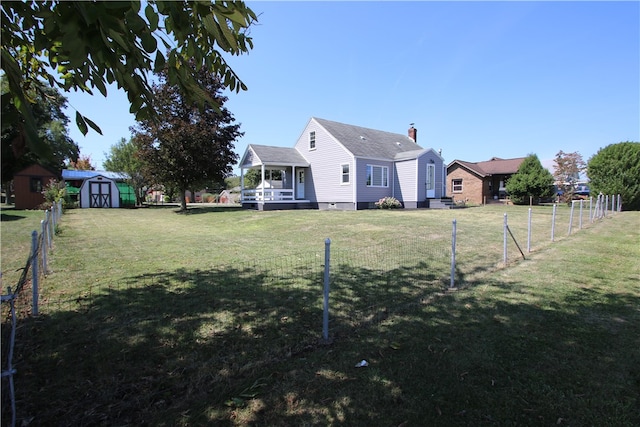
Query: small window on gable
pixel 36 185
pixel 345 174
pixel 456 185
pixel 312 140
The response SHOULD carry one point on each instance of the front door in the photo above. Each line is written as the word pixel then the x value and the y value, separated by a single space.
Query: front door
pixel 300 184
pixel 430 185
pixel 99 194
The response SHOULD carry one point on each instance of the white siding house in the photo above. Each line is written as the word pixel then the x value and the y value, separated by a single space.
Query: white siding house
pixel 339 166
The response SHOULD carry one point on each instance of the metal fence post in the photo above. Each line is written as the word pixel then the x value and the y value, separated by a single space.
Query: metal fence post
pixel 571 216
pixel 34 270
pixel 47 227
pixel 606 205
pixel 613 202
pixel 529 233
pixel 453 254
pixel 581 203
pixel 505 239
pixel 45 236
pixel 619 203
pixel 10 371
pixel 325 304
pixel 590 205
pixel 553 222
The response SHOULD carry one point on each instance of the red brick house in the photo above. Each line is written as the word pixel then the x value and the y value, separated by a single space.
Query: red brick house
pixel 28 185
pixel 480 182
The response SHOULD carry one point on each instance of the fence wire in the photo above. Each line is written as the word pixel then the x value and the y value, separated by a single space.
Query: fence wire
pixel 20 303
pixel 278 300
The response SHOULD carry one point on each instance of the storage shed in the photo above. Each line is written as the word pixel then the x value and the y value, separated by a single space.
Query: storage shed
pixel 99 189
pixel 99 192
pixel 28 185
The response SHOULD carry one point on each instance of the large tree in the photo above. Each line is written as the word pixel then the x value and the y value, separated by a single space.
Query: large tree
pixel 615 169
pixel 184 145
pixel 123 157
pixel 84 45
pixel 531 182
pixel 568 167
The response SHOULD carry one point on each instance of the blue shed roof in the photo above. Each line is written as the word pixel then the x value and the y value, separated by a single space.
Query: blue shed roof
pixel 79 174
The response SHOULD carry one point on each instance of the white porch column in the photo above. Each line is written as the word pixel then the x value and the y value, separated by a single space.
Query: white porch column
pixel 295 182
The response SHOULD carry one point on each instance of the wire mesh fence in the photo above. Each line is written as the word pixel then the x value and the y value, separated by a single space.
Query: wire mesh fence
pixel 21 301
pixel 280 300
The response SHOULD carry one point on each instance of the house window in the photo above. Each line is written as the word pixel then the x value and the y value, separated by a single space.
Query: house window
pixel 456 185
pixel 377 176
pixel 36 185
pixel 345 174
pixel 312 140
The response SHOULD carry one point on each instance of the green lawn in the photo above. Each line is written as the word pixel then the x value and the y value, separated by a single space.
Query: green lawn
pixel 214 317
pixel 15 234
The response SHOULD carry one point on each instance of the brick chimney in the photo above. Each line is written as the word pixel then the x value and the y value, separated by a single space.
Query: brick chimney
pixel 413 133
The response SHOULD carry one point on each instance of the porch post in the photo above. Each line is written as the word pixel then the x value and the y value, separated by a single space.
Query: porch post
pixel 241 184
pixel 295 182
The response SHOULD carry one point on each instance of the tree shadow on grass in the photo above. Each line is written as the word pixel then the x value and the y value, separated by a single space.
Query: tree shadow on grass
pixel 11 217
pixel 242 347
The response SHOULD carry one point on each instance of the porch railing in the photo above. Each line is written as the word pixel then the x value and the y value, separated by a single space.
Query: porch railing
pixel 267 195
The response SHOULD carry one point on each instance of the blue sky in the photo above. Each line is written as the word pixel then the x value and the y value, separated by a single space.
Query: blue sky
pixel 478 79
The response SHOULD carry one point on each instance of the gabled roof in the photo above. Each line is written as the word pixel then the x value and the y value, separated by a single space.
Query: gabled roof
pixel 369 143
pixel 72 174
pixel 494 166
pixel 269 155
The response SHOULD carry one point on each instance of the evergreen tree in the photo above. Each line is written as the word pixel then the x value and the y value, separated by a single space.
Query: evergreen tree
pixel 531 181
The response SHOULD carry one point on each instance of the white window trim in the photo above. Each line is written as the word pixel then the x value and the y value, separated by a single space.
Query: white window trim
pixel 342 174
pixel 385 176
pixel 453 186
pixel 312 137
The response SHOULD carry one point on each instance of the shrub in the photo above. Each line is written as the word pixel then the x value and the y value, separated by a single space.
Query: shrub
pixel 53 192
pixel 388 203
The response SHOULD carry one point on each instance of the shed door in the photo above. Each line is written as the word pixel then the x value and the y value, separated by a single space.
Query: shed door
pixel 99 194
pixel 430 185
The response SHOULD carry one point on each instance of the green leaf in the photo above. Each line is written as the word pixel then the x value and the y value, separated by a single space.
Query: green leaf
pixel 159 62
pixel 152 17
pixel 149 42
pixel 82 125
pixel 93 125
pixel 118 39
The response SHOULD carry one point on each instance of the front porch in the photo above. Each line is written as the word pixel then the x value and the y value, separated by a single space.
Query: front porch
pixel 273 178
pixel 272 199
